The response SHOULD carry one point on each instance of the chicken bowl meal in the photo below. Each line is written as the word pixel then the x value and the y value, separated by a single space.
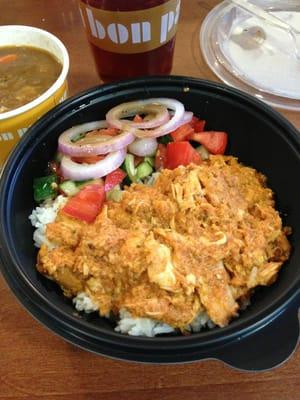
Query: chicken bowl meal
pixel 155 213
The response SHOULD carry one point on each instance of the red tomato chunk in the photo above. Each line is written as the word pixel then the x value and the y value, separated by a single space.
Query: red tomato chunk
pixel 214 141
pixel 86 204
pixel 181 153
pixel 113 179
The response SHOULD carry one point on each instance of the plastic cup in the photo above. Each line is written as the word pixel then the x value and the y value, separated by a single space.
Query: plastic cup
pixel 14 123
pixel 131 38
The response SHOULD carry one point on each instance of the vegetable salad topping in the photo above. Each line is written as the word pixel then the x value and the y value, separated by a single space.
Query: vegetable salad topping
pixel 95 159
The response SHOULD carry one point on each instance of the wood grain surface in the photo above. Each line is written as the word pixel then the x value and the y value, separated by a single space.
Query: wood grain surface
pixel 34 362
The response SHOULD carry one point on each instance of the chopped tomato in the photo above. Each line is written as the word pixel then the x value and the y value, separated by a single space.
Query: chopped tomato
pixel 181 153
pixel 88 159
pixel 193 121
pixel 113 179
pixel 160 156
pixel 138 118
pixel 182 132
pixel 199 125
pixel 86 204
pixel 214 141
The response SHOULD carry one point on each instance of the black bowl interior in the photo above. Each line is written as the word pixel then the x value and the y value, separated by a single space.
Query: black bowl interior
pixel 259 137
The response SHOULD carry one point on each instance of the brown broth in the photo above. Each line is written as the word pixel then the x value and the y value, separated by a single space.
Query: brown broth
pixel 26 77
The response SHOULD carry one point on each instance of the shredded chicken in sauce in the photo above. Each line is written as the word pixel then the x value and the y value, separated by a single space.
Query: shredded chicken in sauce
pixel 200 239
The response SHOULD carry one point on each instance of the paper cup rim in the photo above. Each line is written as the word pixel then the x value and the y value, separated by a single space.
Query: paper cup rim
pixel 55 86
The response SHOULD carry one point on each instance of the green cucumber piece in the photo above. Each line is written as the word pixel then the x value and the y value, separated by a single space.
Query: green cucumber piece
pixel 114 194
pixel 150 160
pixel 69 188
pixel 143 170
pixel 130 168
pixel 82 184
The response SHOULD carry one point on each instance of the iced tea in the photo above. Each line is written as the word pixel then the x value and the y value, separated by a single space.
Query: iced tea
pixel 131 38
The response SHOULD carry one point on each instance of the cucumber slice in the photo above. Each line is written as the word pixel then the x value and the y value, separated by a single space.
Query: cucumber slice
pixel 69 188
pixel 114 194
pixel 82 184
pixel 130 168
pixel 150 160
pixel 143 170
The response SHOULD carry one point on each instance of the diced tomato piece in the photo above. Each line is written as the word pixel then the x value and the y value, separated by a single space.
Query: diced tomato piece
pixel 193 121
pixel 182 132
pixel 181 153
pixel 138 118
pixel 199 125
pixel 88 159
pixel 214 141
pixel 86 204
pixel 160 156
pixel 113 179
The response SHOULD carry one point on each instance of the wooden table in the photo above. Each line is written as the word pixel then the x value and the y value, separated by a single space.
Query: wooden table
pixel 35 363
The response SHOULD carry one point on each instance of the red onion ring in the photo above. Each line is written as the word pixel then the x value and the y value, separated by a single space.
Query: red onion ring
pixel 78 172
pixel 113 117
pixel 103 145
pixel 171 125
pixel 187 117
pixel 143 147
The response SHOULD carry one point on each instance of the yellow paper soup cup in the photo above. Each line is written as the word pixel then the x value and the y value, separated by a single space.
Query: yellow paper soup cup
pixel 14 123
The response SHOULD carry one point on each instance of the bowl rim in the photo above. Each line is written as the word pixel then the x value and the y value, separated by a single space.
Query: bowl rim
pixel 55 86
pixel 199 340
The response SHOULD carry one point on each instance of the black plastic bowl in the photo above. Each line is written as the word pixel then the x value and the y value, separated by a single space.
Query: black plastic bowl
pixel 259 137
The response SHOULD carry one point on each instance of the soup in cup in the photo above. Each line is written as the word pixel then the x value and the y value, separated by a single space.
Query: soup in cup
pixel 34 65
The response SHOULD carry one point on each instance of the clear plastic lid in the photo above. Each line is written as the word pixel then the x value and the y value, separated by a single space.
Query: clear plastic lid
pixel 254 55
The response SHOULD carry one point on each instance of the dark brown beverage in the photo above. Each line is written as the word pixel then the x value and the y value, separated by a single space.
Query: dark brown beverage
pixel 138 39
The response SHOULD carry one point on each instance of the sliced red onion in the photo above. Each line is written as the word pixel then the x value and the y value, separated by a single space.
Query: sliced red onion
pixel 187 117
pixel 143 147
pixel 75 171
pixel 171 125
pixel 101 145
pixel 132 108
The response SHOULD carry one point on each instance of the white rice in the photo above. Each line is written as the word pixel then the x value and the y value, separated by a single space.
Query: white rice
pixel 141 326
pixel 45 214
pixel 83 302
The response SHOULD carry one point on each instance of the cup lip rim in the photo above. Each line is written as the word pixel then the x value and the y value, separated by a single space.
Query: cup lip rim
pixel 54 87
